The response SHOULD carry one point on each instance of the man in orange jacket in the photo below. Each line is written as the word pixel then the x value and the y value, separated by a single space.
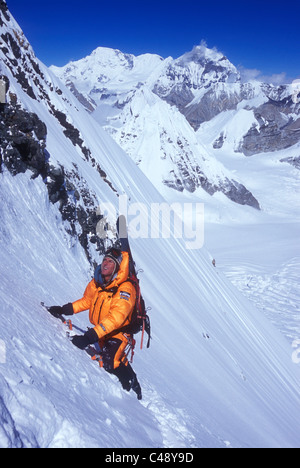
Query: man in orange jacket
pixel 110 298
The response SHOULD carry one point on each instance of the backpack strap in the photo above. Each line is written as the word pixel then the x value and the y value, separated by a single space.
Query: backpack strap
pixel 139 303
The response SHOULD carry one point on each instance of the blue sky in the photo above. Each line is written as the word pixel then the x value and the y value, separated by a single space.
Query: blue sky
pixel 262 36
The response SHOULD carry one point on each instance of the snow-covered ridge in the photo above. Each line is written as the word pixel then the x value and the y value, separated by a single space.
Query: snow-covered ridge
pixel 107 66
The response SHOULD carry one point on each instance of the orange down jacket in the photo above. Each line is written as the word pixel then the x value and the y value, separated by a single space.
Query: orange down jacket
pixel 109 310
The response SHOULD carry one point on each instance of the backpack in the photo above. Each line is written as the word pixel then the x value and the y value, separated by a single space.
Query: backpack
pixel 140 320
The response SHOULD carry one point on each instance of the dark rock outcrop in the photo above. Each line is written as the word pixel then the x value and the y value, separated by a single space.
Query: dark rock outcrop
pixel 294 161
pixel 276 128
pixel 23 147
pixel 23 141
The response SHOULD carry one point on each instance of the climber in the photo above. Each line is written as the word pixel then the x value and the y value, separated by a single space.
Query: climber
pixel 110 298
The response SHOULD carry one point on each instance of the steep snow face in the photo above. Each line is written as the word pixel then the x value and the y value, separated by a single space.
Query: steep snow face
pixel 217 374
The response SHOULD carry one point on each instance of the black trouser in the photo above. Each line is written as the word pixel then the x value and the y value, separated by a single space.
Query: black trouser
pixel 108 353
pixel 125 373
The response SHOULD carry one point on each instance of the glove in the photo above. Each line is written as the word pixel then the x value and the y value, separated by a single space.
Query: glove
pixel 57 311
pixel 82 341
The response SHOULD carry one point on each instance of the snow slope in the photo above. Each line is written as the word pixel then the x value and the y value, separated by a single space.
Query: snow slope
pixel 263 262
pixel 217 374
pixel 258 253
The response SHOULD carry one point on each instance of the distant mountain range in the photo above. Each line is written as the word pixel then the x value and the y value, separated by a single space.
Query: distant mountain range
pixel 156 109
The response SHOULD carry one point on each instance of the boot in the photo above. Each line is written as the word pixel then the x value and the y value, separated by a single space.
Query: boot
pixel 136 387
pixel 128 379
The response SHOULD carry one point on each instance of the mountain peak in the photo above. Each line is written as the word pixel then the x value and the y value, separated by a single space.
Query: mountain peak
pixel 211 61
pixel 202 52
